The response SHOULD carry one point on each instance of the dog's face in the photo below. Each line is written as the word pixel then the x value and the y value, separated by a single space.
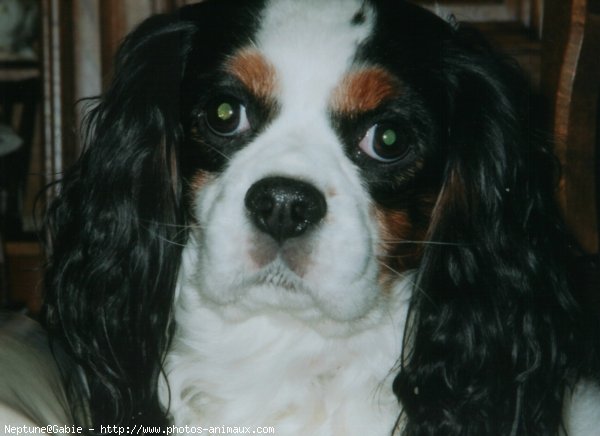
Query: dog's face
pixel 299 157
pixel 305 147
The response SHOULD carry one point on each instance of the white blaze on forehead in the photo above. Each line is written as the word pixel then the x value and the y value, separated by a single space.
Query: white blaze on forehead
pixel 302 52
pixel 311 44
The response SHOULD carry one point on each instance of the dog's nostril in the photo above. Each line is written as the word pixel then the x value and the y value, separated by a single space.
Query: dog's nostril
pixel 264 206
pixel 284 208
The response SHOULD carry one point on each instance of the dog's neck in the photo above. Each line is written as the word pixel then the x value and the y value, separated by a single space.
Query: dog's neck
pixel 272 370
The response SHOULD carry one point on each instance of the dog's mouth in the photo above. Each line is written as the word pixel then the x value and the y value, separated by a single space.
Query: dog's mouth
pixel 278 274
pixel 292 258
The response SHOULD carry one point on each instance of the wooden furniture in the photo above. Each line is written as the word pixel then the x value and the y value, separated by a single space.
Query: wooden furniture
pixel 20 100
pixel 21 176
pixel 525 12
pixel 24 276
pixel 22 172
pixel 571 80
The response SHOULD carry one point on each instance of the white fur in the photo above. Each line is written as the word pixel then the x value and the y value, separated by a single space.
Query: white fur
pixel 300 337
pixel 333 272
pixel 274 370
pixel 582 410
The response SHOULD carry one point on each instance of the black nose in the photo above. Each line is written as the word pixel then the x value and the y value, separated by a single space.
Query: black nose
pixel 284 208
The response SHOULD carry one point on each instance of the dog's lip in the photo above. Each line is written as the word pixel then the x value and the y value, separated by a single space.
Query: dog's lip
pixel 291 258
pixel 277 273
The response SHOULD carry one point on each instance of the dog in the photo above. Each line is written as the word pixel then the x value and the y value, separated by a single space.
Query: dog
pixel 326 217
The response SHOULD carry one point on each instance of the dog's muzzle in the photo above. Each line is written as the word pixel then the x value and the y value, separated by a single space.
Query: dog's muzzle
pixel 284 208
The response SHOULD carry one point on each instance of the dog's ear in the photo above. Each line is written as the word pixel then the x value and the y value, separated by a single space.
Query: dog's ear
pixel 117 228
pixel 493 329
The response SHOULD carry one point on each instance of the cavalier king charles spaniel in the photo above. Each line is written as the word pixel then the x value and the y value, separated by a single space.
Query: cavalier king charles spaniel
pixel 329 217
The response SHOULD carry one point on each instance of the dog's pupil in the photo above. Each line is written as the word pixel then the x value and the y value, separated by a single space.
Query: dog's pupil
pixel 389 137
pixel 223 116
pixel 225 111
pixel 386 143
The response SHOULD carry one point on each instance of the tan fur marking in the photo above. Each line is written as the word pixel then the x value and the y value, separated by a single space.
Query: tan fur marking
pixel 402 234
pixel 199 180
pixel 364 90
pixel 395 226
pixel 254 71
pixel 452 195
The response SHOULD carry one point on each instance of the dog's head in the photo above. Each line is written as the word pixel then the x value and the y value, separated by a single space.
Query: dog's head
pixel 306 144
pixel 307 154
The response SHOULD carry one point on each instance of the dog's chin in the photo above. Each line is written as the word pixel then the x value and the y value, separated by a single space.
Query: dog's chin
pixel 279 274
pixel 277 291
pixel 282 283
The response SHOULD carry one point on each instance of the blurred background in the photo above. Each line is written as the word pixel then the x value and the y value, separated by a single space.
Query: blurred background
pixel 54 53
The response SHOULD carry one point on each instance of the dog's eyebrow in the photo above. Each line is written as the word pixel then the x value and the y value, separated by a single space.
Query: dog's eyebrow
pixel 254 72
pixel 363 90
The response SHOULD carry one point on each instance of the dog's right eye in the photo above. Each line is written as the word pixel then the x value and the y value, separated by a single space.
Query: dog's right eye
pixel 383 143
pixel 226 116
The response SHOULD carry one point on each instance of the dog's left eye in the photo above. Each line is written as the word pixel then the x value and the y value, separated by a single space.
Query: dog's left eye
pixel 382 142
pixel 226 116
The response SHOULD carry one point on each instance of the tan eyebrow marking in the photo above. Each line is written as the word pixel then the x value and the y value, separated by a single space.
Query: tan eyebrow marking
pixel 364 90
pixel 254 71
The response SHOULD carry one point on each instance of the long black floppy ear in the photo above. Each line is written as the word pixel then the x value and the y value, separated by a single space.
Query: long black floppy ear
pixel 495 334
pixel 117 229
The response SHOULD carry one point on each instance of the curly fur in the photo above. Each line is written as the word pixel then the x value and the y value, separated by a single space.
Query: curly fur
pixel 497 336
pixel 111 278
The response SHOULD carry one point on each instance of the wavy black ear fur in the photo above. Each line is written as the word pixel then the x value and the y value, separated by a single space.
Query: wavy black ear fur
pixel 117 229
pixel 496 336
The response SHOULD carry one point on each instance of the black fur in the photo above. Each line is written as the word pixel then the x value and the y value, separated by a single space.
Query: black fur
pixel 117 229
pixel 497 336
pixel 111 277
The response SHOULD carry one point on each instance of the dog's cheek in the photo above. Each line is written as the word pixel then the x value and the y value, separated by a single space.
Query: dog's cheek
pixel 198 182
pixel 218 223
pixel 401 234
pixel 220 236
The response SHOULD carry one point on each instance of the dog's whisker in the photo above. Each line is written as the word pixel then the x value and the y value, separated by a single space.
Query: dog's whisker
pixel 399 241
pixel 183 227
pixel 216 150
pixel 394 256
pixel 399 274
pixel 406 241
pixel 168 241
pixel 162 238
pixel 402 275
pixel 160 223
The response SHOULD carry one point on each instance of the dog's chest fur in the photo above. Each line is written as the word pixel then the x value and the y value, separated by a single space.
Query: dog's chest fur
pixel 272 371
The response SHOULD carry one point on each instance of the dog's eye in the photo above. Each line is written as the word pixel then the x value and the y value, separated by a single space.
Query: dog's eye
pixel 383 143
pixel 226 116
